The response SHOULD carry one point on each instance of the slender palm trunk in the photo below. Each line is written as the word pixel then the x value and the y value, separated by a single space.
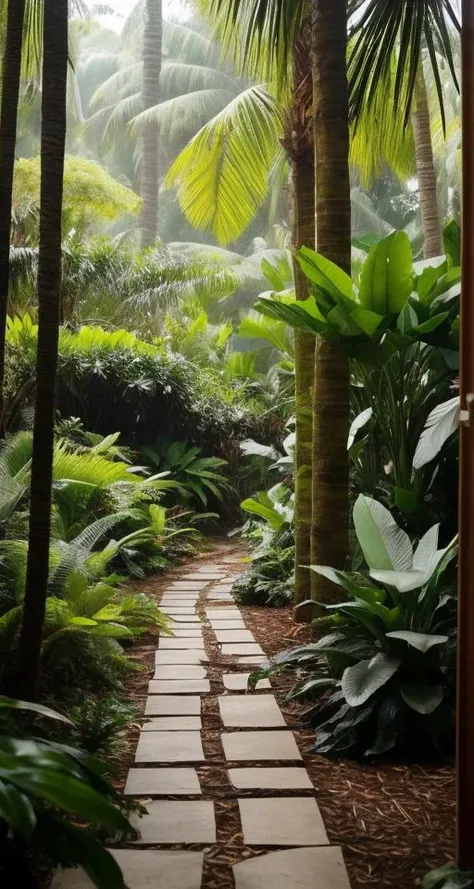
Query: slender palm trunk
pixel 152 53
pixel 53 139
pixel 299 143
pixel 330 526
pixel 8 125
pixel 430 220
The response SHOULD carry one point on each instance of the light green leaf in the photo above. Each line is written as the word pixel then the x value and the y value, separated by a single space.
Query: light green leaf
pixel 421 641
pixel 385 546
pixel 363 679
pixel 387 277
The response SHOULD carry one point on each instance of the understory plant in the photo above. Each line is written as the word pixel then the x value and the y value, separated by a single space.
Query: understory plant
pixel 384 674
pixel 54 800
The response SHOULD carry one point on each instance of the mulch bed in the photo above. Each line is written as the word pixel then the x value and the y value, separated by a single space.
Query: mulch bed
pixel 394 821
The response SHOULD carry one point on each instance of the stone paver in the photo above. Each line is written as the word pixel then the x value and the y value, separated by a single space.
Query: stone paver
pixel 247 711
pixel 203 575
pixel 228 625
pixel 181 656
pixel 173 724
pixel 190 620
pixel 171 705
pixel 191 821
pixel 223 588
pixel 187 633
pixel 178 686
pixel 192 585
pixel 177 627
pixel 278 821
pixel 220 597
pixel 290 778
pixel 179 671
pixel 260 746
pixel 223 613
pixel 185 602
pixel 169 747
pixel 234 636
pixel 163 782
pixel 239 682
pixel 252 659
pixel 167 642
pixel 144 869
pixel 177 613
pixel 299 868
pixel 243 648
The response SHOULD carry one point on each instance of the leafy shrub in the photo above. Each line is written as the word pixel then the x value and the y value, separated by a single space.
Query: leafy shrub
pixel 44 785
pixel 100 725
pixel 389 659
pixel 198 477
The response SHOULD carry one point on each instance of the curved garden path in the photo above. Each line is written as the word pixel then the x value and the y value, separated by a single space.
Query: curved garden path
pixel 229 801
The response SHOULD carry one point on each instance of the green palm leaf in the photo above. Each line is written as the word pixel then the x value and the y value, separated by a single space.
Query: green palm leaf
pixel 215 190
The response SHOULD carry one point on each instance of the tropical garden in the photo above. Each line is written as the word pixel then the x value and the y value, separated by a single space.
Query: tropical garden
pixel 230 314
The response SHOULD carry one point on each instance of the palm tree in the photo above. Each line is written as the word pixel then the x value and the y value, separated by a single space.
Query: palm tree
pixel 11 76
pixel 330 525
pixel 299 144
pixel 53 140
pixel 387 55
pixel 152 51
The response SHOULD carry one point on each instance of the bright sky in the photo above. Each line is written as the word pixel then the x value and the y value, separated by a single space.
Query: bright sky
pixel 123 7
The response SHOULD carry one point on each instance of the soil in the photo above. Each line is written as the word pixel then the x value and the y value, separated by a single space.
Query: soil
pixel 393 821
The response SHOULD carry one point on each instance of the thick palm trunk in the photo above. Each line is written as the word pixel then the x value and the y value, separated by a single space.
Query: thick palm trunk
pixel 8 125
pixel 330 526
pixel 299 143
pixel 430 221
pixel 152 53
pixel 53 138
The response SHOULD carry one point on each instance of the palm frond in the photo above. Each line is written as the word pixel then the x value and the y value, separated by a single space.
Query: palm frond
pixel 123 83
pixel 384 28
pixel 178 119
pixel 215 190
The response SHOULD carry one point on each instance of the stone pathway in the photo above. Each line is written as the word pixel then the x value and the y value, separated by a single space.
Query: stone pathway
pixel 261 757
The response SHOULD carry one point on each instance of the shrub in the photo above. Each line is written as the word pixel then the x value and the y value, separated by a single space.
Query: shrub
pixel 389 660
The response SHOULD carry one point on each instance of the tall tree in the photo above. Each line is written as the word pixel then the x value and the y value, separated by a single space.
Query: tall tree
pixel 53 140
pixel 152 52
pixel 11 76
pixel 299 144
pixel 330 525
pixel 425 167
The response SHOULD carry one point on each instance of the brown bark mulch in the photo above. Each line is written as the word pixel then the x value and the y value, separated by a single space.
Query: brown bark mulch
pixel 394 821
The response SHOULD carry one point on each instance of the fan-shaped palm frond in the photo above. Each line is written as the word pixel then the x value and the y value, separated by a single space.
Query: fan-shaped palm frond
pixel 215 190
pixel 382 28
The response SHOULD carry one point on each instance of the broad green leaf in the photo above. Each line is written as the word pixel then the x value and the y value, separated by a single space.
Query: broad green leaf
pixel 363 679
pixel 14 704
pixel 387 277
pixel 421 641
pixel 368 321
pixel 274 519
pixel 441 424
pixel 403 581
pixel 422 698
pixel 360 421
pixel 17 810
pixel 326 275
pixel 384 544
pixel 452 241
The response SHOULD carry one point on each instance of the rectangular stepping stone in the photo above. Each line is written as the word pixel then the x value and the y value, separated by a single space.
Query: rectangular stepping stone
pixel 181 656
pixel 171 705
pixel 247 711
pixel 203 575
pixel 223 588
pixel 177 627
pixel 228 625
pixel 239 682
pixel 244 648
pixel 220 597
pixel 181 603
pixel 162 782
pixel 180 595
pixel 192 585
pixel 321 868
pixel 167 642
pixel 179 671
pixel 270 779
pixel 178 686
pixel 234 636
pixel 144 869
pixel 176 613
pixel 252 660
pixel 190 821
pixel 173 724
pixel 294 821
pixel 192 620
pixel 259 746
pixel 169 747
pixel 185 633
pixel 223 614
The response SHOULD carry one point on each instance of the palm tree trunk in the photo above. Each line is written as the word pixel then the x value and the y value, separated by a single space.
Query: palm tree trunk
pixel 53 139
pixel 430 220
pixel 330 526
pixel 8 126
pixel 299 142
pixel 152 53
